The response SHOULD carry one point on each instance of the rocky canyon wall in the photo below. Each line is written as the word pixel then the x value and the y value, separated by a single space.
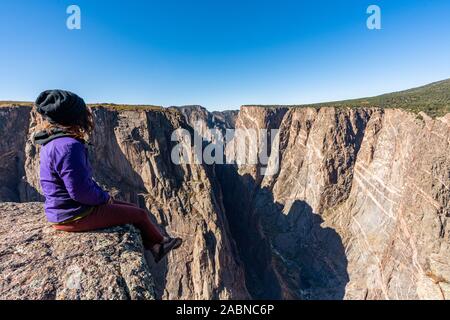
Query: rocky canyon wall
pixel 131 159
pixel 358 208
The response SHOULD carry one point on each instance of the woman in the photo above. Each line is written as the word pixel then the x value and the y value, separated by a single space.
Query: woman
pixel 73 200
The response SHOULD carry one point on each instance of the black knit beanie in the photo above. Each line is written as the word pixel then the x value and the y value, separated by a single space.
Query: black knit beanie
pixel 61 107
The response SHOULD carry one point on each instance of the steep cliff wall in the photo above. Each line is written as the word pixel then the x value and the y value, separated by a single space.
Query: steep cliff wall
pixel 14 123
pixel 131 159
pixel 203 121
pixel 358 209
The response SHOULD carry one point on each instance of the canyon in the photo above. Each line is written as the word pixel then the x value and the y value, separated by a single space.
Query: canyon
pixel 358 208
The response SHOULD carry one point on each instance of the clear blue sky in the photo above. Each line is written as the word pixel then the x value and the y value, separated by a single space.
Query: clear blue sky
pixel 221 54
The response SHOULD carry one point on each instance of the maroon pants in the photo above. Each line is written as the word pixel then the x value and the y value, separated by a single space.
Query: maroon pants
pixel 119 213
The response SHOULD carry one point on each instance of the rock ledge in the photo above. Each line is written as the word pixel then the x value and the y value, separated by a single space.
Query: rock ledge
pixel 38 262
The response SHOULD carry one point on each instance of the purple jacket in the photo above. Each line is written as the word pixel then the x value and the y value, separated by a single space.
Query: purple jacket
pixel 66 180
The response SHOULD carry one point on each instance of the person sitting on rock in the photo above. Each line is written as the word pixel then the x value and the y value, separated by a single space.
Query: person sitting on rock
pixel 73 200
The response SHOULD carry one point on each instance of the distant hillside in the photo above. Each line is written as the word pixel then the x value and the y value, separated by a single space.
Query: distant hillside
pixel 433 99
pixel 6 103
pixel 113 106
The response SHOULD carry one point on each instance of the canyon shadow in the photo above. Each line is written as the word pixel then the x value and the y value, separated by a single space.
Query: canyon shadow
pixel 286 250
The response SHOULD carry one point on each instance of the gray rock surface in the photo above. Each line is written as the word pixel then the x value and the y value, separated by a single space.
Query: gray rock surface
pixel 38 262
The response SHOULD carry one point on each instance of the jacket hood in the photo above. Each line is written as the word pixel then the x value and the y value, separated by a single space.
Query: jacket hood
pixel 44 137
